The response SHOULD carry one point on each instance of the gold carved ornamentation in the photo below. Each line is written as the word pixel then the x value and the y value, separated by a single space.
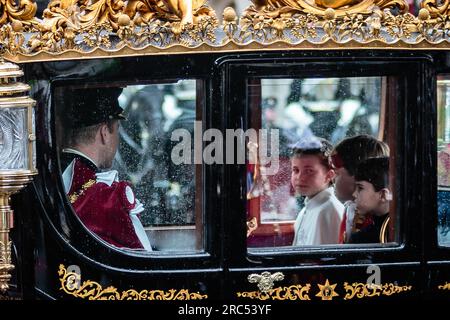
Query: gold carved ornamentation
pixel 327 291
pixel 364 290
pixel 286 8
pixel 446 286
pixel 294 292
pixel 5 265
pixel 436 8
pixel 252 225
pixel 71 284
pixel 183 11
pixel 265 280
pixel 77 29
pixel 15 11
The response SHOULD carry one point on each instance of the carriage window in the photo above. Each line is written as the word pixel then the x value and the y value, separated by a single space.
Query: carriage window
pixel 322 174
pixel 443 156
pixel 131 181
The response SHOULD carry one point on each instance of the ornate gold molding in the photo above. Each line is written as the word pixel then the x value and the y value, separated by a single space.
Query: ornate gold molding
pixel 364 290
pixel 16 11
pixel 265 280
pixel 71 284
pixel 320 8
pixel 437 9
pixel 104 28
pixel 5 265
pixel 446 286
pixel 294 292
pixel 327 291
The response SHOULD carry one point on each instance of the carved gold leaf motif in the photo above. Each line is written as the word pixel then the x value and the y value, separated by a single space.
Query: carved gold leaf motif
pixel 17 10
pixel 71 284
pixel 364 290
pixel 294 292
pixel 446 286
pixel 437 8
pixel 104 28
pixel 328 291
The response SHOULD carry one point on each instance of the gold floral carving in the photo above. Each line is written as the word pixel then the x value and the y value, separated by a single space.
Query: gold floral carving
pixel 294 292
pixel 446 286
pixel 5 253
pixel 103 28
pixel 279 8
pixel 71 284
pixel 364 290
pixel 5 265
pixel 17 11
pixel 436 8
pixel 184 11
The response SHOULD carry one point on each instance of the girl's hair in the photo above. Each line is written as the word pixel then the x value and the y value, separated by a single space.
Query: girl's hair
pixel 319 147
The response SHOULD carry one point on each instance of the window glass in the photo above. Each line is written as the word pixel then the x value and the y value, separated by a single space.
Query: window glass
pixel 128 186
pixel 443 156
pixel 308 209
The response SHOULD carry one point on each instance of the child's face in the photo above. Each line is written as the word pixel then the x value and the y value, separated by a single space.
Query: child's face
pixel 344 185
pixel 309 176
pixel 366 198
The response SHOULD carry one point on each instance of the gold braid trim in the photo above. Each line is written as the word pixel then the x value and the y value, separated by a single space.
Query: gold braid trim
pixel 383 231
pixel 73 197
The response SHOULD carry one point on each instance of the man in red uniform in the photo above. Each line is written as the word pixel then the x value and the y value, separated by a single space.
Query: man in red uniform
pixel 104 204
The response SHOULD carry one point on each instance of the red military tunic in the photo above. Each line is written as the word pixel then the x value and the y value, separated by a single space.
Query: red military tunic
pixel 105 205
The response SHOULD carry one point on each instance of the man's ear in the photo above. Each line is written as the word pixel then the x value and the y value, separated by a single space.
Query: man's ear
pixel 386 194
pixel 104 133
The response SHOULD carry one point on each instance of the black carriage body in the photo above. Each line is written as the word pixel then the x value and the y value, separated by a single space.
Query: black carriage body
pixel 48 234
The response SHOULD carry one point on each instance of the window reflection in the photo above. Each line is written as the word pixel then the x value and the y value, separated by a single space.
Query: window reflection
pixel 305 110
pixel 443 158
pixel 167 192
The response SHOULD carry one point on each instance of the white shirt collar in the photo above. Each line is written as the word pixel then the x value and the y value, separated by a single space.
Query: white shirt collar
pixel 321 197
pixel 70 150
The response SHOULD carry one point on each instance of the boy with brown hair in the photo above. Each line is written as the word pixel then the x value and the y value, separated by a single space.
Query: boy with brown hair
pixel 346 157
pixel 372 197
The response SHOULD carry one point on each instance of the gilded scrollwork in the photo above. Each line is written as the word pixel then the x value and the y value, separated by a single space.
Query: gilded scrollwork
pixel 183 11
pixel 294 292
pixel 72 285
pixel 17 10
pixel 445 286
pixel 80 27
pixel 278 8
pixel 5 264
pixel 436 8
pixel 364 290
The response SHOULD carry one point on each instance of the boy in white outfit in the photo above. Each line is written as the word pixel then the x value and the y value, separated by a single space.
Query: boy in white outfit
pixel 312 176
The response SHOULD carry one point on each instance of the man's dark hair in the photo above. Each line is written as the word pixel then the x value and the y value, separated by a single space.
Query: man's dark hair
pixel 374 171
pixel 323 151
pixel 86 135
pixel 353 150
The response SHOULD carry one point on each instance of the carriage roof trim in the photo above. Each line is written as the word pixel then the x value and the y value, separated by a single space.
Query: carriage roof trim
pixel 76 29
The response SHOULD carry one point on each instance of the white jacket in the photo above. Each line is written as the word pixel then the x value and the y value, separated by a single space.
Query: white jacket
pixel 319 220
